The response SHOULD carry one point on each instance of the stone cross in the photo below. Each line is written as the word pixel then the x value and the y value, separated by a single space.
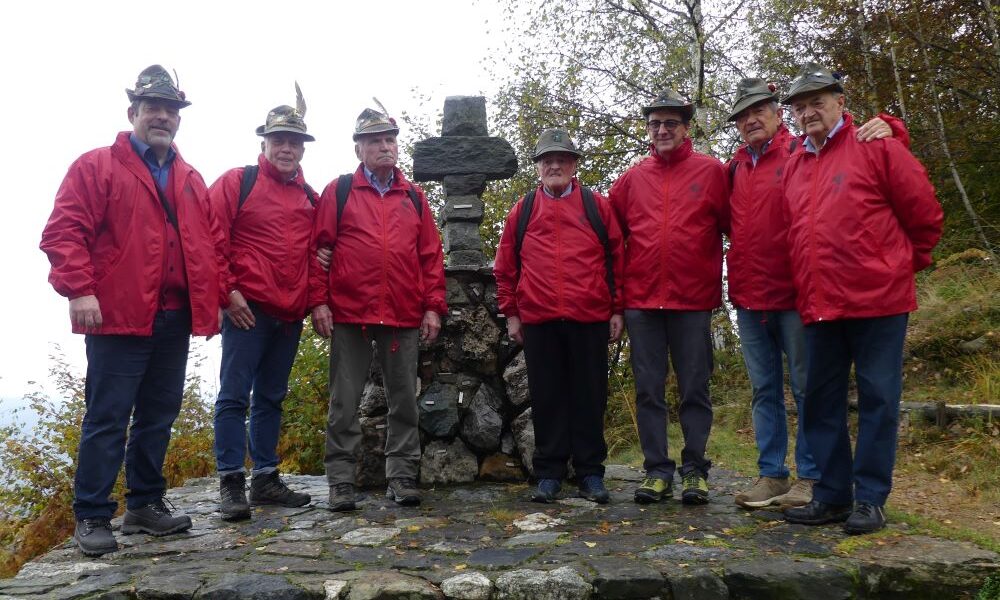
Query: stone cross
pixel 464 158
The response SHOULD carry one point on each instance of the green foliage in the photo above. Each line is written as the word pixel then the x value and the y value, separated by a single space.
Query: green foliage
pixel 990 589
pixel 303 428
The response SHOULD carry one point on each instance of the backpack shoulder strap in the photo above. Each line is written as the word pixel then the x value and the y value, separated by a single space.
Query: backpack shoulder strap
pixel 415 199
pixel 311 194
pixel 246 184
pixel 793 145
pixel 522 225
pixel 733 165
pixel 590 207
pixel 343 191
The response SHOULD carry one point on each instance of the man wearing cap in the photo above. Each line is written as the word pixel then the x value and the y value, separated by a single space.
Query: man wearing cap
pixel 266 212
pixel 559 279
pixel 673 209
pixel 385 283
pixel 761 288
pixel 862 219
pixel 132 244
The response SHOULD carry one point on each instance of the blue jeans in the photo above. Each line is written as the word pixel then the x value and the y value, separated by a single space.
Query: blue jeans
pixel 134 387
pixel 875 346
pixel 764 336
pixel 258 359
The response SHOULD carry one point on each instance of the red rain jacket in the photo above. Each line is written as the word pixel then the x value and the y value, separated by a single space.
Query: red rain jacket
pixel 758 265
pixel 387 266
pixel 862 218
pixel 267 240
pixel 106 235
pixel 673 212
pixel 563 270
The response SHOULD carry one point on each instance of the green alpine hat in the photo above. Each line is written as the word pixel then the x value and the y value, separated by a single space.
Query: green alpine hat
pixel 286 118
pixel 554 140
pixel 670 100
pixel 812 77
pixel 749 92
pixel 155 82
pixel 372 121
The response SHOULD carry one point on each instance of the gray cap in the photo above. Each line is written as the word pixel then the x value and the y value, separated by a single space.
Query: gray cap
pixel 749 92
pixel 812 77
pixel 670 100
pixel 155 83
pixel 554 140
pixel 372 121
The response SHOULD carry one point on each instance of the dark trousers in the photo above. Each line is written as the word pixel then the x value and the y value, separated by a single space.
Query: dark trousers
pixel 684 337
pixel 134 386
pixel 875 347
pixel 567 365
pixel 257 359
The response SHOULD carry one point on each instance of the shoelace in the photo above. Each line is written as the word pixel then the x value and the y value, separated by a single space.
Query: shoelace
pixel 407 483
pixel 868 510
pixel 159 506
pixel 649 482
pixel 231 493
pixel 691 480
pixel 344 489
pixel 89 525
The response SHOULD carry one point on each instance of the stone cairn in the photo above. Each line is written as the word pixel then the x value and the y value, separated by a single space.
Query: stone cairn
pixel 475 415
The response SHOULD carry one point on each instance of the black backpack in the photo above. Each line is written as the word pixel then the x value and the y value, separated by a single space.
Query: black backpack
pixel 589 207
pixel 250 178
pixel 344 190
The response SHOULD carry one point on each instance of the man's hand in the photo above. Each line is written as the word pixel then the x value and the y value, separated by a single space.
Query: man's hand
pixel 430 327
pixel 85 312
pixel 617 326
pixel 514 331
pixel 873 130
pixel 322 320
pixel 325 256
pixel 239 311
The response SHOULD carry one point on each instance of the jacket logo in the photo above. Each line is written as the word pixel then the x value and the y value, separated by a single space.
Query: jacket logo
pixel 695 190
pixel 837 181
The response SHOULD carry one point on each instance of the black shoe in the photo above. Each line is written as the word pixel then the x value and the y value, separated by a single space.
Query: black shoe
pixel 817 513
pixel 155 519
pixel 94 537
pixel 268 488
pixel 546 491
pixel 233 492
pixel 403 491
pixel 866 518
pixel 342 497
pixel 592 488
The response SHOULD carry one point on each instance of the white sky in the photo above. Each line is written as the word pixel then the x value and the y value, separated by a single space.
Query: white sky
pixel 65 67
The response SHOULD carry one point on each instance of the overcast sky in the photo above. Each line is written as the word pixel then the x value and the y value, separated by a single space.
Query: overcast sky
pixel 66 66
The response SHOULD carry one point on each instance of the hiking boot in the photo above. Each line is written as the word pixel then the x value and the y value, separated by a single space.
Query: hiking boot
pixel 342 497
pixel 866 518
pixel 233 494
pixel 695 488
pixel 592 488
pixel 817 513
pixel 800 494
pixel 546 491
pixel 403 491
pixel 654 489
pixel 94 537
pixel 155 519
pixel 269 489
pixel 765 491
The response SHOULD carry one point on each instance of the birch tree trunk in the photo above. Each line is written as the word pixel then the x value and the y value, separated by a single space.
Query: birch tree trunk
pixel 895 65
pixel 870 94
pixel 991 25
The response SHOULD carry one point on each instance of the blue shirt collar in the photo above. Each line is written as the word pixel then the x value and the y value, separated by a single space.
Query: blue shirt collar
pixel 147 154
pixel 754 156
pixel 370 176
pixel 810 147
pixel 566 192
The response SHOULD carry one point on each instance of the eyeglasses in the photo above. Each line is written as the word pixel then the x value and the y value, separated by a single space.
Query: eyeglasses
pixel 670 124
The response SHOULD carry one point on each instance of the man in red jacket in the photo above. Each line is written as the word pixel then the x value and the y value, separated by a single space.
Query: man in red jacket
pixel 559 279
pixel 132 244
pixel 862 219
pixel 385 283
pixel 266 212
pixel 762 292
pixel 673 209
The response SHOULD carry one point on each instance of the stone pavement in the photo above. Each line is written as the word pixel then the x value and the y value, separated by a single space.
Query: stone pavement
pixel 487 541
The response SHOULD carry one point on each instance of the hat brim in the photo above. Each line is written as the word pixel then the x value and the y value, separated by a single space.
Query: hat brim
pixel 748 101
pixel 810 88
pixel 132 97
pixel 263 132
pixel 376 129
pixel 553 148
pixel 686 110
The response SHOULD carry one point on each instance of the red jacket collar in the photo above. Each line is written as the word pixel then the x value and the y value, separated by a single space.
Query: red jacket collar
pixel 782 139
pixel 677 155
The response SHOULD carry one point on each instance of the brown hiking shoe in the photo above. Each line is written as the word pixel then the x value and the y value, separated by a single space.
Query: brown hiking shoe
pixel 764 492
pixel 800 494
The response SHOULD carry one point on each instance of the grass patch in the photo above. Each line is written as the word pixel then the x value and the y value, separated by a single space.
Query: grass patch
pixel 503 515
pixel 932 527
pixel 966 452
